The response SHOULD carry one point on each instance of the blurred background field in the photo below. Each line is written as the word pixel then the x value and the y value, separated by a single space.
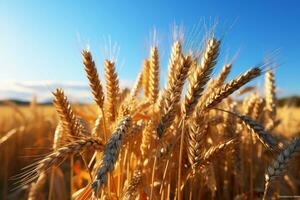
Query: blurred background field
pixel 31 128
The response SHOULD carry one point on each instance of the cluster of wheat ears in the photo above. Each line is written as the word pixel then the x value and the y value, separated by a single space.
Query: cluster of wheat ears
pixel 190 140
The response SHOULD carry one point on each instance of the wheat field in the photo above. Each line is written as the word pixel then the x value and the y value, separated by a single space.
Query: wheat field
pixel 198 137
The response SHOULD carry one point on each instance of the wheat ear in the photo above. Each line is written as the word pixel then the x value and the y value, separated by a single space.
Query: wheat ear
pixel 270 96
pixel 245 90
pixel 92 74
pixel 257 129
pixel 146 78
pixel 154 75
pixel 174 59
pixel 67 117
pixel 58 136
pixel 138 84
pixel 37 187
pixel 200 77
pixel 222 76
pixel 249 105
pixel 60 154
pixel 131 189
pixel 97 127
pixel 111 153
pixel 112 89
pixel 10 134
pixel 146 138
pixel 258 109
pixel 215 151
pixel 196 139
pixel 208 156
pixel 266 138
pixel 221 93
pixel 171 96
pixel 280 163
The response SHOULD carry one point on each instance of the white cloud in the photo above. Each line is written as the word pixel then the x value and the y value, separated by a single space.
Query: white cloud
pixel 25 90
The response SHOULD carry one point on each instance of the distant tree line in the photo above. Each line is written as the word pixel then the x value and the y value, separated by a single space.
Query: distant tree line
pixel 289 101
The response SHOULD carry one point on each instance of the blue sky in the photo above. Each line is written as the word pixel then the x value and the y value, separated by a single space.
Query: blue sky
pixel 42 40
